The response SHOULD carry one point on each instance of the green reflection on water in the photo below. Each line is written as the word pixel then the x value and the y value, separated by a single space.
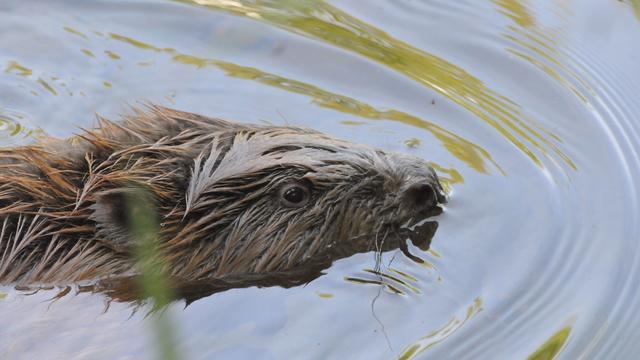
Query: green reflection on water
pixel 393 279
pixel 544 47
pixel 324 295
pixel 352 123
pixel 87 52
pixel 403 274
pixel 138 44
pixel 434 253
pixel 635 6
pixel 75 32
pixel 13 67
pixel 10 125
pixel 413 142
pixel 112 55
pixel 471 154
pixel 441 334
pixel 47 87
pixel 322 21
pixel 517 11
pixel 448 177
pixel 551 348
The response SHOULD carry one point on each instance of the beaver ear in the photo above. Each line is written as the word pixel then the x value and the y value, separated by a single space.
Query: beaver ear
pixel 110 215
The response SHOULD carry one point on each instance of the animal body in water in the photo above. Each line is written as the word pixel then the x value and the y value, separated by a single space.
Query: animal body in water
pixel 234 201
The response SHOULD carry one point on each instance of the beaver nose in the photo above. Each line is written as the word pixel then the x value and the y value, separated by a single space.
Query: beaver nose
pixel 422 196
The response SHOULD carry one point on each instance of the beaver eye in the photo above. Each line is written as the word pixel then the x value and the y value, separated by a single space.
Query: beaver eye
pixel 294 195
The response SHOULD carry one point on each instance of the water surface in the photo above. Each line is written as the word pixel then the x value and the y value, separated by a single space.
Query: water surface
pixel 529 111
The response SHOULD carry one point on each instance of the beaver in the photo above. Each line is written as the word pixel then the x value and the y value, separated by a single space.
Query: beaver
pixel 232 199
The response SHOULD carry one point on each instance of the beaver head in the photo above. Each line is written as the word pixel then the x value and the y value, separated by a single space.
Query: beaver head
pixel 230 198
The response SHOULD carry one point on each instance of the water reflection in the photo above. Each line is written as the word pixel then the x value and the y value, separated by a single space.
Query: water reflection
pixel 387 280
pixel 47 83
pixel 13 128
pixel 516 10
pixel 635 6
pixel 552 347
pixel 75 32
pixel 471 154
pixel 320 20
pixel 13 67
pixel 127 288
pixel 537 47
pixel 440 335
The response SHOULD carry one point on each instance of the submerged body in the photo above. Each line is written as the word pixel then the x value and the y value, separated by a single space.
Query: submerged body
pixel 231 199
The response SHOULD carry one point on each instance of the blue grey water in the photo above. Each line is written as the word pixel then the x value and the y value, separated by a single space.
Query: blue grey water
pixel 529 110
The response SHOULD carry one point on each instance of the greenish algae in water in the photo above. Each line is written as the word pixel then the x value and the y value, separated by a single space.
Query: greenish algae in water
pixel 551 348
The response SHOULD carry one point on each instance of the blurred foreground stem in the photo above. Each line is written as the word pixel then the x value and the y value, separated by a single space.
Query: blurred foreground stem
pixel 152 279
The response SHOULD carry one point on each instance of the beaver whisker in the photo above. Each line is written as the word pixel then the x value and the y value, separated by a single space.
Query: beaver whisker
pixel 378 250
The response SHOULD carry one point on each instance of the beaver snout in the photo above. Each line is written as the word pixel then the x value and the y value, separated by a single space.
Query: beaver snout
pixel 419 201
pixel 420 196
pixel 423 196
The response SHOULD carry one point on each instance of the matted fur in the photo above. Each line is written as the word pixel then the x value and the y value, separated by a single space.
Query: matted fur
pixel 217 187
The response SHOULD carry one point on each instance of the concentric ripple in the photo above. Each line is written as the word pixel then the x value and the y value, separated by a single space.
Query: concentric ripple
pixel 528 111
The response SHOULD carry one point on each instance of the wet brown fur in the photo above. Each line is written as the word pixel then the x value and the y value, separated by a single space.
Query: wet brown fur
pixel 216 185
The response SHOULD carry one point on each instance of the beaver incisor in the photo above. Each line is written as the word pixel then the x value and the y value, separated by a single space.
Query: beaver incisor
pixel 231 199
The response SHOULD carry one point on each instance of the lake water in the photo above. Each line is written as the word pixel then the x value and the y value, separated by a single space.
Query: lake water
pixel 529 110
